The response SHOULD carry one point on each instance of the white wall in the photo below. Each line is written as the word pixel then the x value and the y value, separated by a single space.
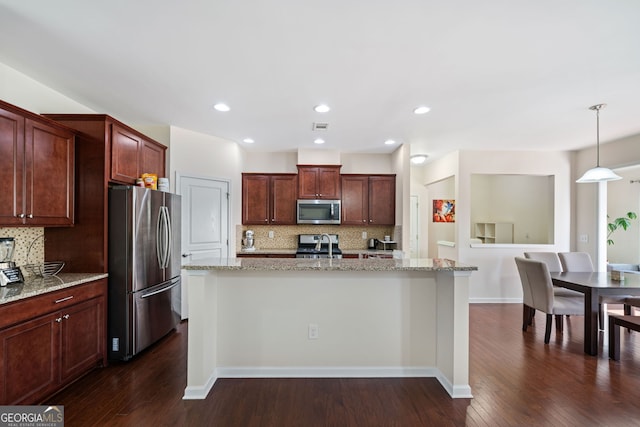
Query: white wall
pixel 24 92
pixel 624 196
pixel 206 156
pixel 620 153
pixel 526 201
pixel 497 279
pixel 442 189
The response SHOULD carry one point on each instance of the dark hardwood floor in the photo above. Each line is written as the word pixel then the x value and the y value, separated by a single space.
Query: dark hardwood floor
pixel 516 380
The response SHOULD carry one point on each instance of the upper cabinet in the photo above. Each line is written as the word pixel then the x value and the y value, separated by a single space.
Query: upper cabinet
pixel 36 170
pixel 319 182
pixel 269 199
pixel 107 152
pixel 368 199
pixel 128 153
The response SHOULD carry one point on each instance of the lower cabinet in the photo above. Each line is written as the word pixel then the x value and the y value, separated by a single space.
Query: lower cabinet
pixel 54 338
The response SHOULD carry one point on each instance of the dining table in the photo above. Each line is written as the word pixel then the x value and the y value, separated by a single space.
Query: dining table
pixel 593 285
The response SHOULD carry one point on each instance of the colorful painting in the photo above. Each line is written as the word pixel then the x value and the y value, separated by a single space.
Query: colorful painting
pixel 444 210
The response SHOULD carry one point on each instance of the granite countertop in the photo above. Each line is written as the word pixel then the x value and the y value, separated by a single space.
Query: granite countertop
pixel 269 251
pixel 34 285
pixel 300 264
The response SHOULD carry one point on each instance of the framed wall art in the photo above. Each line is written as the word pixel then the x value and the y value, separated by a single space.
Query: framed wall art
pixel 444 210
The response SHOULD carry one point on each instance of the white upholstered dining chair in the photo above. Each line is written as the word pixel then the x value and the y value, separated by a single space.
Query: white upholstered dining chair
pixel 535 275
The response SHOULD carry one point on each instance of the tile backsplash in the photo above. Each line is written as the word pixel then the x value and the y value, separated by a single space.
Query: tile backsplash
pixel 286 236
pixel 24 238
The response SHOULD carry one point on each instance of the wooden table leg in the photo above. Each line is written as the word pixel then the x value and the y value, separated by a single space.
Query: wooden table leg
pixel 591 322
pixel 614 339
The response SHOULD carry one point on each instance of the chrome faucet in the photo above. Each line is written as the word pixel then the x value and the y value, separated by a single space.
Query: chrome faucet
pixel 330 244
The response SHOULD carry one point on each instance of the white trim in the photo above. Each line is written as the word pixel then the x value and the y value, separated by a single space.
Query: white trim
pixel 200 393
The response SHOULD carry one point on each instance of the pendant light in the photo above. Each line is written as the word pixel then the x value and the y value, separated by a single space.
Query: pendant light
pixel 598 174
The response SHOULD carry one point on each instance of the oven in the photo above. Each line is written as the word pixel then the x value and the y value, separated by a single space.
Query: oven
pixel 317 246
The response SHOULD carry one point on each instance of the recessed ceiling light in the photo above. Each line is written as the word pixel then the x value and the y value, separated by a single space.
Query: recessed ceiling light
pixel 389 142
pixel 322 108
pixel 221 107
pixel 248 140
pixel 418 159
pixel 421 110
pixel 318 141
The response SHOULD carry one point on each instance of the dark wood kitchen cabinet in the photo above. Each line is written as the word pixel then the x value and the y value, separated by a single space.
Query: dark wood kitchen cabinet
pixel 368 199
pixel 107 152
pixel 50 340
pixel 269 199
pixel 319 182
pixel 37 159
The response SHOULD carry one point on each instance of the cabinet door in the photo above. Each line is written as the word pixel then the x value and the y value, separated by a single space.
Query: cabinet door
pixel 11 168
pixel 355 200
pixel 125 147
pixel 283 199
pixel 319 182
pixel 255 199
pixel 308 183
pixel 329 183
pixel 29 360
pixel 382 200
pixel 83 338
pixel 49 159
pixel 153 158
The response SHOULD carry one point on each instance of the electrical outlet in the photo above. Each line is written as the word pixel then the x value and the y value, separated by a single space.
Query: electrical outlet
pixel 313 331
pixel 584 238
pixel 271 234
pixel 364 235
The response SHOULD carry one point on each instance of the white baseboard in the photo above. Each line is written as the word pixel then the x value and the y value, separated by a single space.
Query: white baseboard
pixel 200 392
pixel 459 391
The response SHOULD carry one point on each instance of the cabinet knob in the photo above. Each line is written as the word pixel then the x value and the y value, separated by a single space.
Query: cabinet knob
pixel 266 220
pixel 364 220
pixel 59 319
pixel 66 316
pixel 20 215
pixel 30 216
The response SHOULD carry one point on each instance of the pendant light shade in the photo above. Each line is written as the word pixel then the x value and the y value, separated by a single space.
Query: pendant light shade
pixel 598 174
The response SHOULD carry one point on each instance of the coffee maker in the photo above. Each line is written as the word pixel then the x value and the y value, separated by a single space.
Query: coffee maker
pixel 9 273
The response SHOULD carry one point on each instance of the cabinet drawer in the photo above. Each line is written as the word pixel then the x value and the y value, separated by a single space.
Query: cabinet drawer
pixel 29 308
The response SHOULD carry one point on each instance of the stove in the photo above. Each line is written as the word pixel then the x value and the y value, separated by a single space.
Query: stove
pixel 307 244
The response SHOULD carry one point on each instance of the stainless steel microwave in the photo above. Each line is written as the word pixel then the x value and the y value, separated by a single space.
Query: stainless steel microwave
pixel 318 211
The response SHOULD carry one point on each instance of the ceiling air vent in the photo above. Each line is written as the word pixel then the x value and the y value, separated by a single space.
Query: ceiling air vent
pixel 320 126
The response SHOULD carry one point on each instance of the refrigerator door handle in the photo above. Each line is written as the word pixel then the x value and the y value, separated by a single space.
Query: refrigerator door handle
pixel 163 238
pixel 161 290
pixel 169 239
pixel 159 242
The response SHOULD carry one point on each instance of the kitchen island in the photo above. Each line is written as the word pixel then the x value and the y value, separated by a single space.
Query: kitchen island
pixel 328 318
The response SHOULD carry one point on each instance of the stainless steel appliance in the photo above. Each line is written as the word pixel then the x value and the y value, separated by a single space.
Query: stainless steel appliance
pixel 144 268
pixel 9 273
pixel 318 211
pixel 247 242
pixel 317 246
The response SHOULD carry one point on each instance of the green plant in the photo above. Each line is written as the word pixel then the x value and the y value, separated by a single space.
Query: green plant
pixel 623 222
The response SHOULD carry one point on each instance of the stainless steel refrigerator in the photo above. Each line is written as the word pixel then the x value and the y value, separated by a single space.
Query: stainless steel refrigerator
pixel 144 268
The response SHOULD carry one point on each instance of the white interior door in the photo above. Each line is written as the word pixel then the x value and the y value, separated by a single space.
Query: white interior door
pixel 205 222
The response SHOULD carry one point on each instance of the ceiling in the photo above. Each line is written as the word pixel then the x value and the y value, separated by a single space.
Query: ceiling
pixel 497 74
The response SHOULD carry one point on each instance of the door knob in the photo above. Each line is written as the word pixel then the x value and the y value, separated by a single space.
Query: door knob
pixel 186 255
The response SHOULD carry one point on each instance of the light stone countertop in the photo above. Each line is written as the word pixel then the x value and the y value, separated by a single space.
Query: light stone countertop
pixel 34 285
pixel 301 264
